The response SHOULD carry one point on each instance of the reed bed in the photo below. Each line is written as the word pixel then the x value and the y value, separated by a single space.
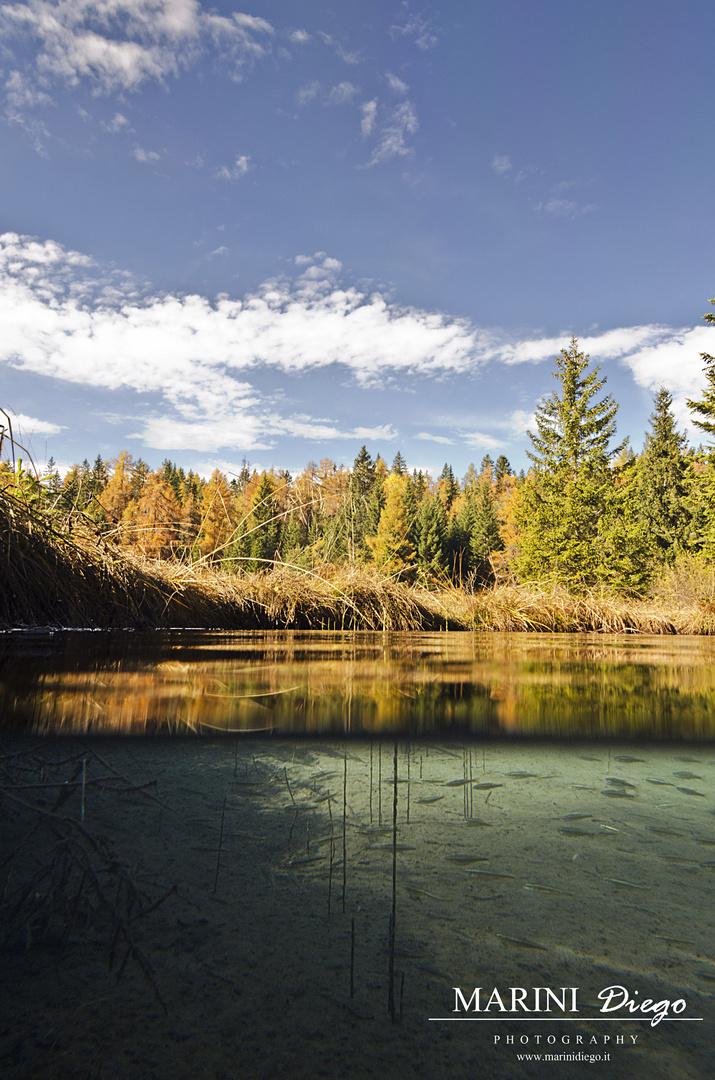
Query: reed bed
pixel 50 577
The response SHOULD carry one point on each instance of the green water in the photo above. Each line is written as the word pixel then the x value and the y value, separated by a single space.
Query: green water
pixel 320 683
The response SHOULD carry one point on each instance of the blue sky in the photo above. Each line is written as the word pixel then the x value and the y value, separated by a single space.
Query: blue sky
pixel 285 230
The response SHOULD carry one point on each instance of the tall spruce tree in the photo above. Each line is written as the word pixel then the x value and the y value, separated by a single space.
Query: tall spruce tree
pixel 573 525
pixel 661 482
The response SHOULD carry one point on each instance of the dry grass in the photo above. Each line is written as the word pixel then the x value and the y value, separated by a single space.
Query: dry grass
pixel 49 578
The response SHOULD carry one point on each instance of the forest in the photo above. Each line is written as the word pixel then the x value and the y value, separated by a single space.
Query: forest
pixel 589 517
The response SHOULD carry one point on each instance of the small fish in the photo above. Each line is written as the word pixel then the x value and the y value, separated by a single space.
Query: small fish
pixel 679 859
pixel 685 775
pixel 585 757
pixel 464 860
pixel 422 892
pixel 523 775
pixel 691 791
pixel 616 793
pixel 397 847
pixel 531 887
pixel 520 943
pixel 619 783
pixel 704 840
pixel 576 817
pixel 660 831
pixel 488 873
pixel 570 831
pixel 690 760
pixel 307 861
pixel 485 787
pixel 674 940
pixel 608 828
pixel 457 783
pixel 626 759
pixel 660 783
pixel 706 975
pixel 628 884
pixel 431 799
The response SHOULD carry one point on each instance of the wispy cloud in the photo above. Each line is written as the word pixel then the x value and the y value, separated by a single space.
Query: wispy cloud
pixel 237 171
pixel 299 37
pixel 147 157
pixel 117 45
pixel 308 93
pixel 428 437
pixel 393 132
pixel 415 26
pixel 501 164
pixel 479 439
pixel 342 94
pixel 395 84
pixel 369 114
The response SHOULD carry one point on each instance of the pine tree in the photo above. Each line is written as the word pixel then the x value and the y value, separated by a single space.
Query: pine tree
pixel 484 534
pixel 399 465
pixel 432 537
pixel 264 528
pixel 706 406
pixel 567 504
pixel 661 482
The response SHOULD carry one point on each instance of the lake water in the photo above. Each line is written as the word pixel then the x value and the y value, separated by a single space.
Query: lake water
pixel 328 894
pixel 333 683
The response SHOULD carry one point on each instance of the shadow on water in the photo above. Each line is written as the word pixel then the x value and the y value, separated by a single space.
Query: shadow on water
pixel 457 864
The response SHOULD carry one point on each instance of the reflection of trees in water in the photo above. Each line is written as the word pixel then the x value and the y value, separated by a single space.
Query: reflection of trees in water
pixel 571 685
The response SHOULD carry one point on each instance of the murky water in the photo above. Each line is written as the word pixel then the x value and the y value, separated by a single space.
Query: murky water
pixel 291 682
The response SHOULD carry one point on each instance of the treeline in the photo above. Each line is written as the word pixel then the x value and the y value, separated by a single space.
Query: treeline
pixel 589 513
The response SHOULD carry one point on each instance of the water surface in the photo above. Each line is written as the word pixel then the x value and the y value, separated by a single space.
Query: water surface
pixel 318 683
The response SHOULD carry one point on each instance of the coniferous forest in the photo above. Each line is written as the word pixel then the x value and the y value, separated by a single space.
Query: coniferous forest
pixel 590 517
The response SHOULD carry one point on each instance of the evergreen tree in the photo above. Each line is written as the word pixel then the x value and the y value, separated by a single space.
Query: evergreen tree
pixel 447 486
pixel 484 534
pixel 661 482
pixel 432 536
pixel 502 469
pixel 264 529
pixel 569 504
pixel 487 467
pixel 706 406
pixel 399 465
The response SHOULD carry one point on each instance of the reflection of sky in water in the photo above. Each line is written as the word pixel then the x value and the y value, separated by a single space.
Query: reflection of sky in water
pixel 571 684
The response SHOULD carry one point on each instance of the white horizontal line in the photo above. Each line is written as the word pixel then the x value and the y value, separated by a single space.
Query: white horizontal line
pixel 565 1019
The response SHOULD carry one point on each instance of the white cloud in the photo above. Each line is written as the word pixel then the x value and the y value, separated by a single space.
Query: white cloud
pixel 342 52
pixel 478 438
pixel 299 37
pixel 395 84
pixel 24 426
pixel 369 113
pixel 118 122
pixel 421 29
pixel 59 322
pixel 393 132
pixel 237 171
pixel 565 208
pixel 342 94
pixel 120 44
pixel 308 93
pixel 501 164
pixel 60 318
pixel 146 156
pixel 435 438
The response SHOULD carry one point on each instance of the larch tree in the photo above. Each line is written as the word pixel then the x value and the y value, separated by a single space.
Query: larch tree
pixel 391 548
